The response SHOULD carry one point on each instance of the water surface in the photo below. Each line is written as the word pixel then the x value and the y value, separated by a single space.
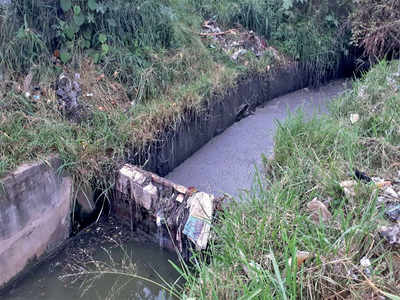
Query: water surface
pixel 227 163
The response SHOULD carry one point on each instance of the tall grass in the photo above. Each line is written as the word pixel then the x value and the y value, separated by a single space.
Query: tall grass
pixel 157 67
pixel 262 232
pixel 312 32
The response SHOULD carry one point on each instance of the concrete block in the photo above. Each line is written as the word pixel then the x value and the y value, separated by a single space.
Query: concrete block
pixel 150 196
pixel 35 208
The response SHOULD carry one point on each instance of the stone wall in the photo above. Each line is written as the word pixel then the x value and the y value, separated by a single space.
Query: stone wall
pixel 177 217
pixel 35 205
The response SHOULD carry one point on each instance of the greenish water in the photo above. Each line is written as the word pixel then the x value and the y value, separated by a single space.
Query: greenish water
pixel 45 282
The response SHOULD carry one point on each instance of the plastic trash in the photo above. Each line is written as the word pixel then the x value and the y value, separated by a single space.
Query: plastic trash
pixel 393 212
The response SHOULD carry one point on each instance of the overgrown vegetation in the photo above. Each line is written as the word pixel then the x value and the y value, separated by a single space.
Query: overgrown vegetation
pixel 376 28
pixel 260 234
pixel 141 63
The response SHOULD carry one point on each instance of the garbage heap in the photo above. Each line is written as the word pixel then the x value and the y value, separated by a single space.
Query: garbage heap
pixel 235 42
pixel 177 217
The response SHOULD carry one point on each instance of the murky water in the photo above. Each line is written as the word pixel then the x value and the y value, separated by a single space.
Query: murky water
pixel 46 283
pixel 226 164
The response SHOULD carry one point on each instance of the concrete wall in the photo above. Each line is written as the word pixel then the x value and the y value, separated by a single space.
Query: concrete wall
pixel 178 218
pixel 35 204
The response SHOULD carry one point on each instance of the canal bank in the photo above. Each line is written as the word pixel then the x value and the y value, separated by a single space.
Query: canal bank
pixel 258 125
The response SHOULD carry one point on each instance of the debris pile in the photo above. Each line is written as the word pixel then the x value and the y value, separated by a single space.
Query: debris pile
pixel 234 42
pixel 179 218
pixel 388 199
pixel 68 92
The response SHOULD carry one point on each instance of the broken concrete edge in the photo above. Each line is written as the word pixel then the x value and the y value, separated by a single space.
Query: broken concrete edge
pixel 35 215
pixel 83 192
pixel 173 213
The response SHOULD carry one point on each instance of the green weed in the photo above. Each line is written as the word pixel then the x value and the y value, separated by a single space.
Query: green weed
pixel 260 234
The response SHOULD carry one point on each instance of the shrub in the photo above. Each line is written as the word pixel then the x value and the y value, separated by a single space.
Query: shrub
pixel 376 27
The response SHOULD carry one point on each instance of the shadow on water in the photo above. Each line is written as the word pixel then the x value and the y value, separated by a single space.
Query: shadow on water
pixel 52 279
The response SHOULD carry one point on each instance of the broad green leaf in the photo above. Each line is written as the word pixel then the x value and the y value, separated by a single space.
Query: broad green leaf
pixel 102 38
pixel 77 10
pixel 104 49
pixel 79 19
pixel 69 32
pixel 65 56
pixel 87 34
pixel 65 5
pixel 92 4
pixel 96 57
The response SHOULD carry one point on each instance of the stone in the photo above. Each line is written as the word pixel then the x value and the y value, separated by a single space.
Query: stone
pixel 179 188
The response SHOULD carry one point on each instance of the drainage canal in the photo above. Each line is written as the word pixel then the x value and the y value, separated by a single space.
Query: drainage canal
pixel 225 164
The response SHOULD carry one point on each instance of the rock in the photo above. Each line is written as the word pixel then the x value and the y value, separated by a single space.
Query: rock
pixel 134 175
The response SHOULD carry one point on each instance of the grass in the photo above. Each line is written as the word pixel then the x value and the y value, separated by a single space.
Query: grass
pixel 156 68
pixel 260 233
